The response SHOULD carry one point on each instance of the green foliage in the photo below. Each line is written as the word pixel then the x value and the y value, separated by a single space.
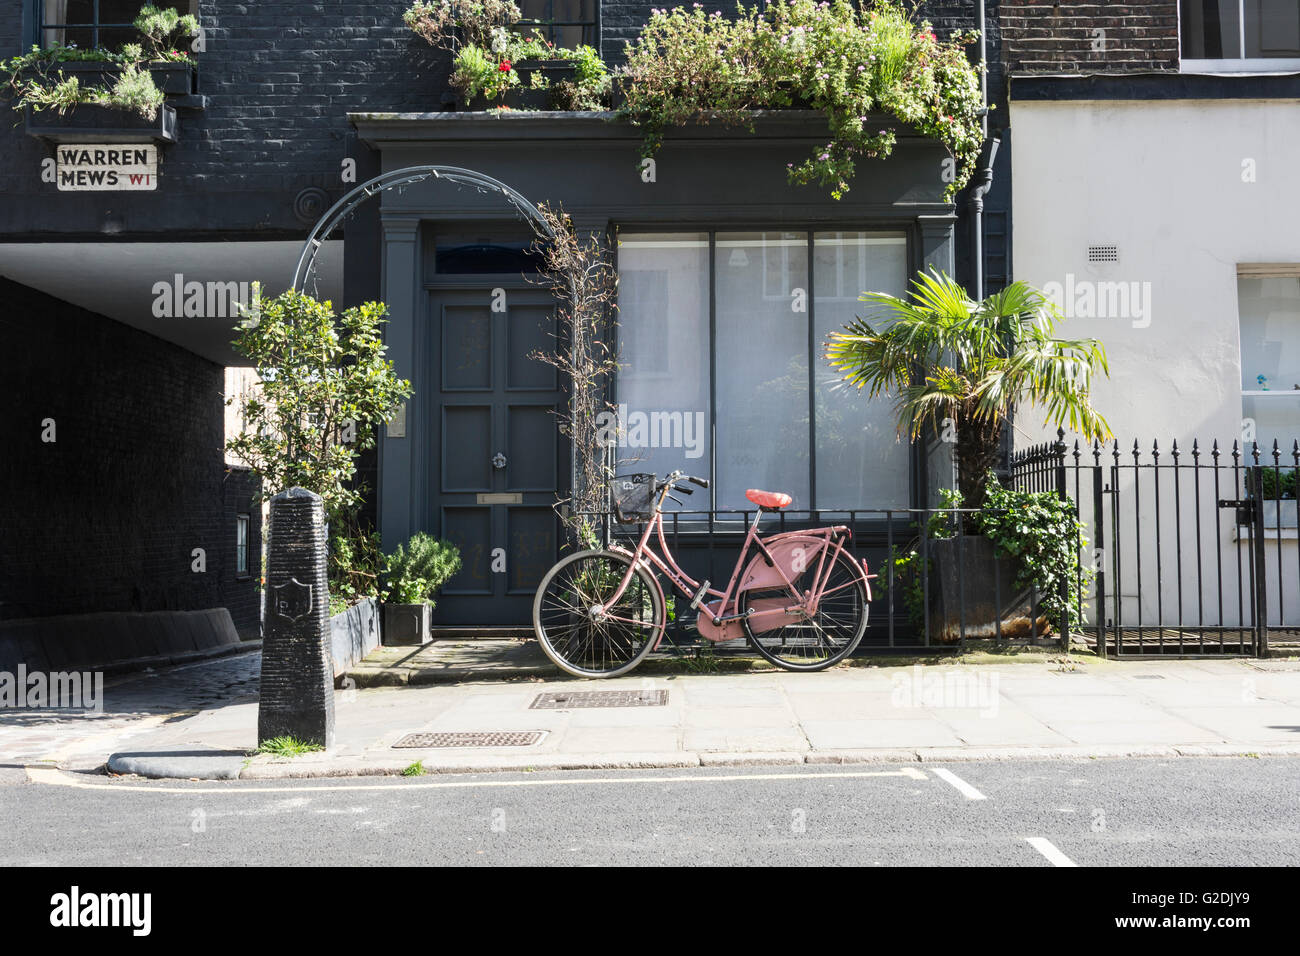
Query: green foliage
pixel 135 90
pixel 1039 530
pixel 355 561
pixel 474 22
pixel 846 60
pixel 909 568
pixel 479 73
pixel 1042 533
pixel 416 571
pixel 590 87
pixel 286 746
pixel 163 29
pixel 414 770
pixel 326 386
pixel 1278 483
pixel 957 365
pixel 35 79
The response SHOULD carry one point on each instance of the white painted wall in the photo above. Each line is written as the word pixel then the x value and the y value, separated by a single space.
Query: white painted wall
pixel 1186 190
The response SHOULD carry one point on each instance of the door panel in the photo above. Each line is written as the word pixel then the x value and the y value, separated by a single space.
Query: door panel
pixel 500 454
pixel 467 448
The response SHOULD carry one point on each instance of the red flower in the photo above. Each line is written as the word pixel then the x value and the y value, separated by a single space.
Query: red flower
pixel 504 67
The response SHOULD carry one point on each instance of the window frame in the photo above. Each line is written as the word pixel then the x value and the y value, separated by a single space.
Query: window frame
pixel 1233 64
pixel 907 229
pixel 547 26
pixel 245 521
pixel 34 25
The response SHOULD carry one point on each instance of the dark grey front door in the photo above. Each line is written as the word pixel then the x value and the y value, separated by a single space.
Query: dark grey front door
pixel 499 455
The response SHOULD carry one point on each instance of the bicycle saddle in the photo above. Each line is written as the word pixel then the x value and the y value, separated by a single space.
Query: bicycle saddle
pixel 773 500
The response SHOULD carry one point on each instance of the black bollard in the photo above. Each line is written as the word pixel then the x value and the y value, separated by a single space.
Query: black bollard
pixel 297 697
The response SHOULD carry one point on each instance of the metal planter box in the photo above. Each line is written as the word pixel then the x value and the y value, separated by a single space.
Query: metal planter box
pixel 174 79
pixel 407 625
pixel 88 123
pixel 973 590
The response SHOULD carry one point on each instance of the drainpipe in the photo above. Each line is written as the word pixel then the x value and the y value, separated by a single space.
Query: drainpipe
pixel 981 183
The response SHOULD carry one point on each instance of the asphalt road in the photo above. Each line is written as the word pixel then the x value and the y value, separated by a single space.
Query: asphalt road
pixel 1188 811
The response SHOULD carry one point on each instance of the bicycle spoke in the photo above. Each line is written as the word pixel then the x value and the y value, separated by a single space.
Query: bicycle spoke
pixel 825 636
pixel 580 627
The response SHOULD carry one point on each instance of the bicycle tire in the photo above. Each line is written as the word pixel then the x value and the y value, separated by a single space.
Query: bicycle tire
pixel 584 647
pixel 771 643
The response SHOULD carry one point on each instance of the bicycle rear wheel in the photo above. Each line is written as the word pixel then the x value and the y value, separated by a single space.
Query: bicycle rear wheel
pixel 823 639
pixel 604 645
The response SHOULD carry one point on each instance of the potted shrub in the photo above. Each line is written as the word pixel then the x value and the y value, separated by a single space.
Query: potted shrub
pixel 414 573
pixel 960 368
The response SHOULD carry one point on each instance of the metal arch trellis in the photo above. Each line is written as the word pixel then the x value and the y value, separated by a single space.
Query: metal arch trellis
pixel 405 177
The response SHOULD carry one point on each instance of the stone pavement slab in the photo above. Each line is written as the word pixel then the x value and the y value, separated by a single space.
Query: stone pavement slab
pixel 850 714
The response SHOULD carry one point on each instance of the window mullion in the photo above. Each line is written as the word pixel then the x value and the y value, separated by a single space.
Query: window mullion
pixel 713 371
pixel 1241 29
pixel 811 299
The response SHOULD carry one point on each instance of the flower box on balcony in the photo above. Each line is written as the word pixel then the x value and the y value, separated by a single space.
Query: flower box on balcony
pixel 89 123
pixel 173 78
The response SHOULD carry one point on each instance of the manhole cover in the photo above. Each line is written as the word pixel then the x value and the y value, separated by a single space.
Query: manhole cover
pixel 487 738
pixel 571 700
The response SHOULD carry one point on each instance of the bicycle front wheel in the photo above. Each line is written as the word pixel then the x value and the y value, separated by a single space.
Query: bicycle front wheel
pixel 604 644
pixel 812 642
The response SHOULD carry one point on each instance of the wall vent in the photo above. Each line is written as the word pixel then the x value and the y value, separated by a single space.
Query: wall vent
pixel 1103 253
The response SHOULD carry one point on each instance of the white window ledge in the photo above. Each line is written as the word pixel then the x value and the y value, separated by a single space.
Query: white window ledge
pixel 1241 536
pixel 1259 65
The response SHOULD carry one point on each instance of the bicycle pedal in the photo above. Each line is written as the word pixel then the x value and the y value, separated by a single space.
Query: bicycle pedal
pixel 699 596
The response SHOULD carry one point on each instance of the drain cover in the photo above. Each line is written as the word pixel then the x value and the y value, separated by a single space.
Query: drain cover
pixel 487 738
pixel 1148 676
pixel 571 700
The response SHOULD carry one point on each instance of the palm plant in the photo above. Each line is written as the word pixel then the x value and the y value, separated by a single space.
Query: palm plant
pixel 961 367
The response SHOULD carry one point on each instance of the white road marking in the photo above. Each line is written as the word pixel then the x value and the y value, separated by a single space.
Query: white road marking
pixel 1045 847
pixel 969 792
pixel 57 778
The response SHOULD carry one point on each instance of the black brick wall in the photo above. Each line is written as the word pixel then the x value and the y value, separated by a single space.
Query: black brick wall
pixel 1043 37
pixel 106 517
pixel 280 77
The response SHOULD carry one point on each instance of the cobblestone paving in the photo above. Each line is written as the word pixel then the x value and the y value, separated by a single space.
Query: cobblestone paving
pixel 129 701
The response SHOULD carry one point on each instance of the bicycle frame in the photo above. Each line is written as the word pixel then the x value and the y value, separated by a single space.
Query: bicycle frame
pixel 780 558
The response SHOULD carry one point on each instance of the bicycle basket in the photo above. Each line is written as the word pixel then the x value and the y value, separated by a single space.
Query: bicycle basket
pixel 633 497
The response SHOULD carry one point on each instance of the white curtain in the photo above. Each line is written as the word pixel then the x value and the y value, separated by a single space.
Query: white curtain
pixel 56 11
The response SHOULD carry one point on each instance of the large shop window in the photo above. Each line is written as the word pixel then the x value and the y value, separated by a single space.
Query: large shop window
pixel 1240 29
pixel 1268 303
pixel 91 24
pixel 720 338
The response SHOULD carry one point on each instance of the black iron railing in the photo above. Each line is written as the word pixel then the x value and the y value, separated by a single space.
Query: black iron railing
pixel 1193 546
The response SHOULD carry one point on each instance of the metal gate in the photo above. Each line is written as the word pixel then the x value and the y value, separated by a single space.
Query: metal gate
pixel 1193 551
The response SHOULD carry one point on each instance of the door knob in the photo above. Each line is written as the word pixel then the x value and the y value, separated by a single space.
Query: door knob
pixel 498 461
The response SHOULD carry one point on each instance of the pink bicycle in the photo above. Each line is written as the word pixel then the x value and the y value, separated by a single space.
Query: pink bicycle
pixel 799 597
